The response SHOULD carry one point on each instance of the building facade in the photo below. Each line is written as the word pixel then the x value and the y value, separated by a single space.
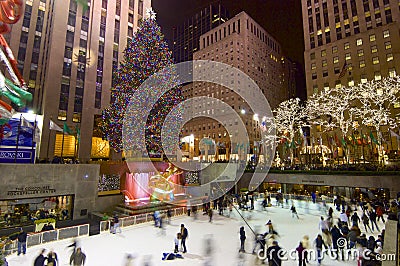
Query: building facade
pixel 186 36
pixel 349 41
pixel 67 57
pixel 241 43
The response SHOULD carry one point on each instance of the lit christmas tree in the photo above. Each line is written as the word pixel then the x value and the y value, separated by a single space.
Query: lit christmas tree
pixel 146 54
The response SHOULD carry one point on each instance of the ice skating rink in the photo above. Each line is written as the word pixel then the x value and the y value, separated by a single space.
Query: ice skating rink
pixel 145 241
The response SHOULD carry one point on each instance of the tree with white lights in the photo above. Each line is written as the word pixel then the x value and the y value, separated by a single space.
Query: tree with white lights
pixel 289 117
pixel 334 108
pixel 376 99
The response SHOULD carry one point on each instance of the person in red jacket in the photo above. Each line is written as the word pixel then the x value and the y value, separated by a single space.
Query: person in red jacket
pixel 379 213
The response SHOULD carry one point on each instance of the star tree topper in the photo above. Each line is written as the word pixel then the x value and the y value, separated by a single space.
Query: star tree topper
pixel 150 13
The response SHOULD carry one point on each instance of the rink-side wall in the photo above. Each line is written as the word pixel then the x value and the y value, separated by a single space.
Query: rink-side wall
pixel 390 182
pixel 21 181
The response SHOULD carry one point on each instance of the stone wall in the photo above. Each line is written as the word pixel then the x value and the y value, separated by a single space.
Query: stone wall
pixel 19 181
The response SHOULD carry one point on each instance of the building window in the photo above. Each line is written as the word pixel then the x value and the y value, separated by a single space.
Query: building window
pixel 362 63
pixel 388 45
pixel 347 46
pixel 386 34
pixel 334 49
pixel 350 82
pixel 360 52
pixel 372 37
pixel 389 57
pixel 314 76
pixel 348 56
pixel 336 70
pixel 338 84
pixel 336 59
pixel 374 49
pixel 326 86
pixel 323 53
pixel 377 75
pixel 364 78
pixel 325 73
pixel 359 42
pixel 315 89
pixel 312 56
pixel 313 66
pixel 324 63
pixel 375 60
pixel 392 72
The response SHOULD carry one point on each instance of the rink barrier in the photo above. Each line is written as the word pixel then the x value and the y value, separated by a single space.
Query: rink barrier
pixel 139 219
pixel 48 236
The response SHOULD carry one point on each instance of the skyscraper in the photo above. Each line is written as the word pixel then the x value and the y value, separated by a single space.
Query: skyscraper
pixel 186 36
pixel 241 43
pixel 67 57
pixel 349 41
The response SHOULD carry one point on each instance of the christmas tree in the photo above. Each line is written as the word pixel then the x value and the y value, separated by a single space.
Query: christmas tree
pixel 146 54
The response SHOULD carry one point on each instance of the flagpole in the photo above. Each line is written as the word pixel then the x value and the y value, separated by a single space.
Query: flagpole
pixel 16 144
pixel 33 137
pixel 62 146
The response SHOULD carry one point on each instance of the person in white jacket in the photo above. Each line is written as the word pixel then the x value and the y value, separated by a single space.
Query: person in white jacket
pixel 306 245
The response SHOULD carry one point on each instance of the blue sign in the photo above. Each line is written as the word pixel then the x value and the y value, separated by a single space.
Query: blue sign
pixel 24 155
pixel 11 135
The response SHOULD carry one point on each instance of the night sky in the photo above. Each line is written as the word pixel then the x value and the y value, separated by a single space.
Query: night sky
pixel 281 18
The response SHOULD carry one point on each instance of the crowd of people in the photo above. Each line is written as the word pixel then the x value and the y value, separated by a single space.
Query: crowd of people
pixel 336 237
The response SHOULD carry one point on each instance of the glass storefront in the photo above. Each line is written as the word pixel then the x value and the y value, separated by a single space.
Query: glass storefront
pixel 21 212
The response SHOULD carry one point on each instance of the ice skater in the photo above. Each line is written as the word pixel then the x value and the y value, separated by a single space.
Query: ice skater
pixel 77 258
pixel 116 225
pixel 242 234
pixel 176 242
pixel 294 212
pixel 210 214
pixel 184 235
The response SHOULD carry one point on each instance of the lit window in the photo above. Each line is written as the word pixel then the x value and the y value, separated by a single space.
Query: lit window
pixel 323 53
pixel 388 45
pixel 326 86
pixel 378 75
pixel 350 82
pixel 338 84
pixel 386 34
pixel 375 60
pixel 336 60
pixel 360 52
pixel 372 37
pixel 324 63
pixel 374 49
pixel 348 56
pixel 334 49
pixel 359 42
pixel 315 89
pixel 364 78
pixel 313 66
pixel 392 72
pixel 346 45
pixel 396 105
pixel 389 57
pixel 362 63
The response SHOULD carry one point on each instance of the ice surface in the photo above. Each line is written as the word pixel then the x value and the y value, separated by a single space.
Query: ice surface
pixel 145 240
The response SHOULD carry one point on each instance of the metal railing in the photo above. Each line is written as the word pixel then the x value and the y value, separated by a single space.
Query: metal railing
pixel 48 236
pixel 139 219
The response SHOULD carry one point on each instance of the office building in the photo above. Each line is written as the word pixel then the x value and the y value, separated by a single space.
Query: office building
pixel 186 36
pixel 242 43
pixel 349 41
pixel 67 58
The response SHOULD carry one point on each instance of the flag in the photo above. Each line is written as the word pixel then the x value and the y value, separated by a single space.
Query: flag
pixel 337 141
pixel 343 71
pixel 84 4
pixel 67 129
pixel 54 126
pixel 393 134
pixel 373 139
pixel 26 123
pixel 78 134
